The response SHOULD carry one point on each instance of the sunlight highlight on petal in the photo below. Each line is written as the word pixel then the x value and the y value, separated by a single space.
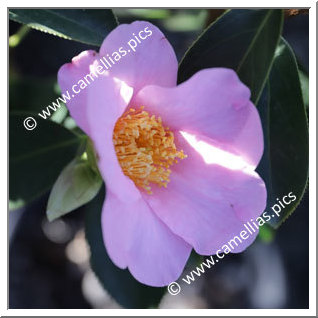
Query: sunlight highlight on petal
pixel 214 155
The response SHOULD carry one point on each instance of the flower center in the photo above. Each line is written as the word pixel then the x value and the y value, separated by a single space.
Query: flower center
pixel 145 149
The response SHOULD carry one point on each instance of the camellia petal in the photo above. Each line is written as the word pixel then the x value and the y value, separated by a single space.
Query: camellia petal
pixel 208 204
pixel 136 238
pixel 152 63
pixel 212 103
pixel 107 99
pixel 69 75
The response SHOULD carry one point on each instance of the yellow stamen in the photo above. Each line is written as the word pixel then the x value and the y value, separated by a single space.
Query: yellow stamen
pixel 145 149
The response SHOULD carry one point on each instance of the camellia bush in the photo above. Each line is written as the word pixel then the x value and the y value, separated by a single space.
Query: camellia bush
pixel 168 158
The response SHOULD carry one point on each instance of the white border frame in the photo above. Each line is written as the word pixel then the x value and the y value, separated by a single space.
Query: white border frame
pixel 312 164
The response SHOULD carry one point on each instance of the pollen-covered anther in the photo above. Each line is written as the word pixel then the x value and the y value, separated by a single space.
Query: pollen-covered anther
pixel 145 149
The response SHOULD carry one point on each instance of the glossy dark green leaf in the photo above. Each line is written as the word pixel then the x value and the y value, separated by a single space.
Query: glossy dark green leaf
pixel 77 184
pixel 243 40
pixel 284 166
pixel 123 287
pixel 304 83
pixel 36 157
pixel 89 26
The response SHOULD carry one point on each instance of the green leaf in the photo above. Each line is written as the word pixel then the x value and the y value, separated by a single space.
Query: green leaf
pixel 266 234
pixel 123 287
pixel 36 157
pixel 243 40
pixel 304 83
pixel 77 184
pixel 284 166
pixel 88 26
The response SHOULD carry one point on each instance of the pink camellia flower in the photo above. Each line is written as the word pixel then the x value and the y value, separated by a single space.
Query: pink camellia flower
pixel 178 161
